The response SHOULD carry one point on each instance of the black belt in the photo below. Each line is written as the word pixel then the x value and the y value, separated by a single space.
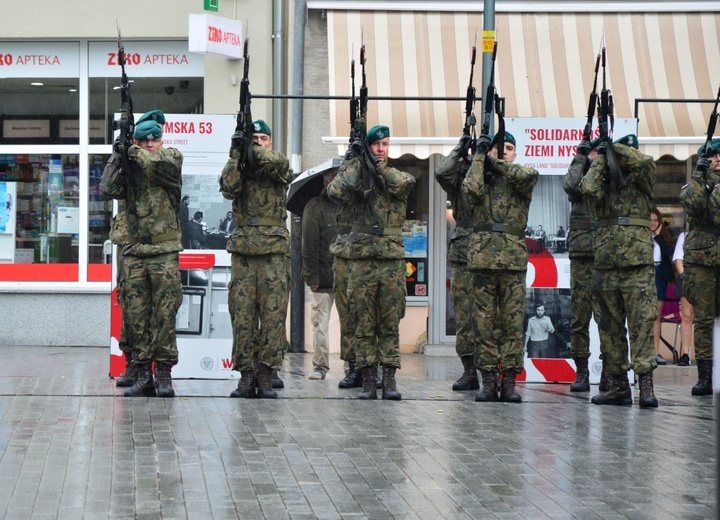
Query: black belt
pixel 583 224
pixel 463 223
pixel 376 230
pixel 624 221
pixel 500 227
pixel 256 221
pixel 154 239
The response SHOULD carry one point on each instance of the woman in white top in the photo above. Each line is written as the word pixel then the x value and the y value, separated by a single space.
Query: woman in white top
pixel 686 309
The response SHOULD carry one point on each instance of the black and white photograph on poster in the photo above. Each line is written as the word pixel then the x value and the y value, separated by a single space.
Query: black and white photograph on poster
pixel 204 214
pixel 548 218
pixel 547 323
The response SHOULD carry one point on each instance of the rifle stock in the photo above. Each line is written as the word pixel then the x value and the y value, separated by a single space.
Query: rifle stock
pixel 592 103
pixel 606 120
pixel 489 97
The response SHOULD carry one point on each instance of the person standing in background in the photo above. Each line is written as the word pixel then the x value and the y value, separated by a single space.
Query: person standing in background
pixel 662 255
pixel 319 229
pixel 686 310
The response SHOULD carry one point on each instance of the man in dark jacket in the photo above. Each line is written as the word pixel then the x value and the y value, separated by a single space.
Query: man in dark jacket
pixel 319 229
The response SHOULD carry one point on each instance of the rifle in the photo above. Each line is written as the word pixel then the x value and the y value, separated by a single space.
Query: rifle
pixel 606 121
pixel 244 118
pixel 712 123
pixel 354 110
pixel 592 103
pixel 370 175
pixel 490 94
pixel 126 125
pixel 470 121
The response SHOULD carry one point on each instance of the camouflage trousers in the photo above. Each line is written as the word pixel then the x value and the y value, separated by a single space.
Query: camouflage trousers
pixel 582 304
pixel 461 294
pixel 701 287
pixel 499 310
pixel 120 296
pixel 258 295
pixel 377 291
pixel 627 293
pixel 152 295
pixel 341 273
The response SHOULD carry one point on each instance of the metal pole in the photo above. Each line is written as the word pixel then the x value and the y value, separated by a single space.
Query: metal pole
pixel 297 288
pixel 488 36
pixel 278 68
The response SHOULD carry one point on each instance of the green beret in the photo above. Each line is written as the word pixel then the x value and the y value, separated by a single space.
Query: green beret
pixel 376 133
pixel 509 138
pixel 152 115
pixel 714 147
pixel 147 131
pixel 629 140
pixel 261 127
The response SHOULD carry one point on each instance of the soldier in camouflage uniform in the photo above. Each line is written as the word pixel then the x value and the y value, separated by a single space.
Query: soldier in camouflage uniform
pixel 580 251
pixel 701 278
pixel 319 229
pixel 450 174
pixel 624 278
pixel 500 193
pixel 150 273
pixel 259 287
pixel 376 281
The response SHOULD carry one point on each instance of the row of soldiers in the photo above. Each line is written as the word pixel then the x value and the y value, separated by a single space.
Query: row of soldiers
pixel 611 259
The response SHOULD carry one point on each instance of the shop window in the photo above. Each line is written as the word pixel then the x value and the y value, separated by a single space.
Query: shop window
pixel 39 111
pixel 41 221
pixel 171 95
pixel 415 229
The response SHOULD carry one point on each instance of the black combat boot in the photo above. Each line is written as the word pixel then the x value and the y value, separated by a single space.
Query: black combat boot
pixel 144 385
pixel 489 390
pixel 582 377
pixel 246 386
pixel 378 376
pixel 647 396
pixel 264 382
pixel 603 386
pixel 469 379
pixel 353 379
pixel 704 385
pixel 618 392
pixel 507 388
pixel 369 390
pixel 130 375
pixel 389 386
pixel 163 380
pixel 275 379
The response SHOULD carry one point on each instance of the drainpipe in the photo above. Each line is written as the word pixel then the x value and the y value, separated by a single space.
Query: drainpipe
pixel 297 291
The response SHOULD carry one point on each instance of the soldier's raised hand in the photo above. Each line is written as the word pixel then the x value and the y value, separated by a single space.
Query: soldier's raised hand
pixel 238 139
pixel 483 143
pixel 584 147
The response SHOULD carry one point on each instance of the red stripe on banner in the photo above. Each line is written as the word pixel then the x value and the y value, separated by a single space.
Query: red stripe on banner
pixel 546 274
pixel 115 316
pixel 197 261
pixel 555 370
pixel 117 365
pixel 99 272
pixel 38 272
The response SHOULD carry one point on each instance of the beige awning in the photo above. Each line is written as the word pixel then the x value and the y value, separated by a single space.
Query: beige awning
pixel 544 69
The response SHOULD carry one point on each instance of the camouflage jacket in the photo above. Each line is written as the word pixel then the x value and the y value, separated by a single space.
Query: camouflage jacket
pixel 344 218
pixel 500 201
pixel 450 173
pixel 623 238
pixel 319 229
pixel 118 227
pixel 151 208
pixel 378 221
pixel 701 199
pixel 582 212
pixel 258 202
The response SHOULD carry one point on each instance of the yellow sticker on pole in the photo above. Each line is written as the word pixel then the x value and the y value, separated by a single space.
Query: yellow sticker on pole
pixel 488 41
